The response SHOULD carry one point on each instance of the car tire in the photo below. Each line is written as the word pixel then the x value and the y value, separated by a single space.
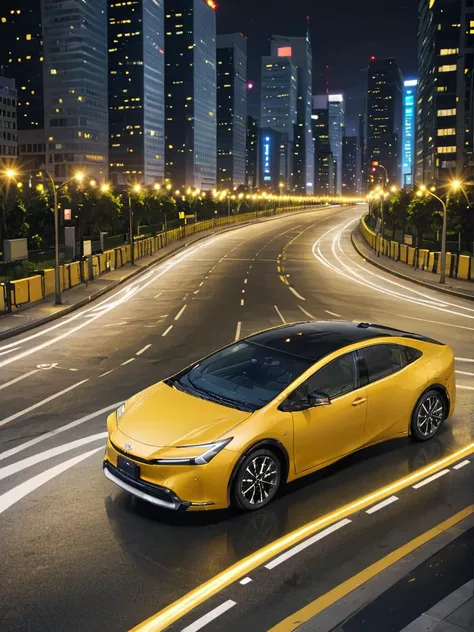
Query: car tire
pixel 257 480
pixel 428 416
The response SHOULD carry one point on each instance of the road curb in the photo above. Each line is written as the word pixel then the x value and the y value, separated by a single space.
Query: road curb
pixel 406 277
pixel 92 297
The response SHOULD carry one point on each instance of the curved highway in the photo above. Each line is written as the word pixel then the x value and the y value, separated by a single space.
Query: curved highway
pixel 77 553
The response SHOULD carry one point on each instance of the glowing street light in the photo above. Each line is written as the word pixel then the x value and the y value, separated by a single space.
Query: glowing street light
pixel 157 186
pixel 11 173
pixel 105 187
pixel 455 185
pixel 137 188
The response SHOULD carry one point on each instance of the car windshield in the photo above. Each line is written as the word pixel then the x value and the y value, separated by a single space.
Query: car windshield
pixel 244 375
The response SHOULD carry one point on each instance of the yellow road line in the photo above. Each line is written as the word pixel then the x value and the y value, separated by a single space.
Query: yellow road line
pixel 321 603
pixel 240 569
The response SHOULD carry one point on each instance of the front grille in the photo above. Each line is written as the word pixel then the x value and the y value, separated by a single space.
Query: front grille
pixel 130 456
pixel 148 488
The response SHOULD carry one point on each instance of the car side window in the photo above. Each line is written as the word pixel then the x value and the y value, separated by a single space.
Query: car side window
pixel 409 355
pixel 381 361
pixel 335 379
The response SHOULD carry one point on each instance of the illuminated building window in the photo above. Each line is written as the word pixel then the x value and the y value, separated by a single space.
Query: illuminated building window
pixel 447 68
pixel 448 131
pixel 450 112
pixel 450 149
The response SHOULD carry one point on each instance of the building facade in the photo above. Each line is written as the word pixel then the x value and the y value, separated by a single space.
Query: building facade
pixel 190 93
pixel 75 87
pixel 324 173
pixel 252 154
pixel 8 121
pixel 409 129
pixel 334 103
pixel 362 156
pixel 445 100
pixel 384 118
pixel 231 110
pixel 136 66
pixel 350 162
pixel 298 51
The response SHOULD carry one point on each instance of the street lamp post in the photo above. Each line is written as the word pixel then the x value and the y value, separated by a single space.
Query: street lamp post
pixel 136 189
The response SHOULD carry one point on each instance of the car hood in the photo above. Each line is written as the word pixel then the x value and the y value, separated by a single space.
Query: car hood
pixel 164 416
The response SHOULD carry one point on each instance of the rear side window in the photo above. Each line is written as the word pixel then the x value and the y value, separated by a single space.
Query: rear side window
pixel 409 355
pixel 381 360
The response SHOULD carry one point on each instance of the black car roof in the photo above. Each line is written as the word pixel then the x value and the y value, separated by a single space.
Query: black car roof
pixel 314 340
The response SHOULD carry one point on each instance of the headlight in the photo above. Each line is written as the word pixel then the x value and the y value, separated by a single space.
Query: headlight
pixel 119 413
pixel 209 452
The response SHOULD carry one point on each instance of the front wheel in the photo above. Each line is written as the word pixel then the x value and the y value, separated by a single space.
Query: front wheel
pixel 257 480
pixel 429 414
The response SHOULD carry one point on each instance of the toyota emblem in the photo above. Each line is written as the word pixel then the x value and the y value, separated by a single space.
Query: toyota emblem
pixel 128 446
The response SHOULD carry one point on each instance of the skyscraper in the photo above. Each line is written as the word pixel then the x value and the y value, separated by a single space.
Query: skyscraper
pixel 408 139
pixel 349 165
pixel 252 153
pixel 363 157
pixel 8 120
pixel 323 156
pixel 298 51
pixel 75 87
pixel 445 99
pixel 136 91
pixel 231 109
pixel 334 103
pixel 190 88
pixel 278 109
pixel 384 117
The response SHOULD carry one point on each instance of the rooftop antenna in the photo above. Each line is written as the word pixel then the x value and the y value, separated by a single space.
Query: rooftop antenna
pixel 327 80
pixel 308 36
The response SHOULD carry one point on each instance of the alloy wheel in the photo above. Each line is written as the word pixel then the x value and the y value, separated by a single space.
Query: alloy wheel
pixel 259 480
pixel 430 415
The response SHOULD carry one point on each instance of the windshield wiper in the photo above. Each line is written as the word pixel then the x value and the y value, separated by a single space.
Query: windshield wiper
pixel 229 402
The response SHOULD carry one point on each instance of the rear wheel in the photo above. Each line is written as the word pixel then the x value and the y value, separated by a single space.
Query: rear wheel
pixel 429 414
pixel 257 480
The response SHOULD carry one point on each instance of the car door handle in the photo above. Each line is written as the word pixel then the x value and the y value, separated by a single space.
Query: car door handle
pixel 359 401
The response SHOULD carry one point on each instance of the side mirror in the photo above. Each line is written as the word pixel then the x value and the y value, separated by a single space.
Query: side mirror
pixel 318 399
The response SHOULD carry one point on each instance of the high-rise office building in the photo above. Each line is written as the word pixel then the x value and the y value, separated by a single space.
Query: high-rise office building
pixel 362 175
pixel 136 64
pixel 75 87
pixel 334 103
pixel 190 93
pixel 384 118
pixel 252 153
pixel 231 109
pixel 445 97
pixel 298 51
pixel 409 128
pixel 278 109
pixel 8 120
pixel 350 163
pixel 21 58
pixel 323 157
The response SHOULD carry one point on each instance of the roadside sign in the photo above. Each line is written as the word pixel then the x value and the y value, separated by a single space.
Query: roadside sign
pixel 67 214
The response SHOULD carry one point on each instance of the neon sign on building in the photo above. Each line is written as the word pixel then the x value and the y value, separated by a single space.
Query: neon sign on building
pixel 408 142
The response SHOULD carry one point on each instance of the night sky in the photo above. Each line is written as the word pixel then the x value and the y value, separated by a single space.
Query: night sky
pixel 344 35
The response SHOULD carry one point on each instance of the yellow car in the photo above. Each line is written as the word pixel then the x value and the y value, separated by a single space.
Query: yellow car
pixel 268 409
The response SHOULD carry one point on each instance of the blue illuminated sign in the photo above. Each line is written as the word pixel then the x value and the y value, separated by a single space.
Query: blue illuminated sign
pixel 408 149
pixel 267 159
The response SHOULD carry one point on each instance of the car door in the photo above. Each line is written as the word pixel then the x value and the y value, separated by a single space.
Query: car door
pixel 325 433
pixel 393 386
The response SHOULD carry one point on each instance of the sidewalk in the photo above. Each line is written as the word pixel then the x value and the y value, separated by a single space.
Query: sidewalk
pixel 456 287
pixel 455 613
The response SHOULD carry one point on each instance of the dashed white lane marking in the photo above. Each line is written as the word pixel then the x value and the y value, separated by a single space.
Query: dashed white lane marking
pixel 280 314
pixel 237 331
pixel 245 281
pixel 180 313
pixel 210 616
pixel 158 295
pixel 384 503
pixel 292 289
pixel 107 373
pixel 464 359
pixel 20 491
pixel 333 313
pixel 128 361
pixel 462 464
pixel 18 379
pixel 53 433
pixel 435 322
pixel 196 292
pixel 243 291
pixel 139 353
pixel 465 388
pixel 242 302
pixel 245 581
pixel 166 332
pixel 465 373
pixel 41 403
pixel 9 470
pixel 9 351
pixel 430 479
pixel 304 545
pixel 307 313
pixel 201 284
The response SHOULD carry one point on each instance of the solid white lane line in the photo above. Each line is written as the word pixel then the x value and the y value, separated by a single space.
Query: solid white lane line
pixel 242 302
pixel 304 545
pixel 41 403
pixel 462 464
pixel 292 289
pixel 237 331
pixel 53 433
pixel 333 313
pixel 18 379
pixel 9 351
pixel 465 373
pixel 166 332
pixel 384 503
pixel 20 491
pixel 435 322
pixel 143 350
pixel 245 581
pixel 280 314
pixel 128 361
pixel 430 479
pixel 307 313
pixel 9 470
pixel 179 314
pixel 107 373
pixel 465 388
pixel 158 295
pixel 464 359
pixel 210 616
